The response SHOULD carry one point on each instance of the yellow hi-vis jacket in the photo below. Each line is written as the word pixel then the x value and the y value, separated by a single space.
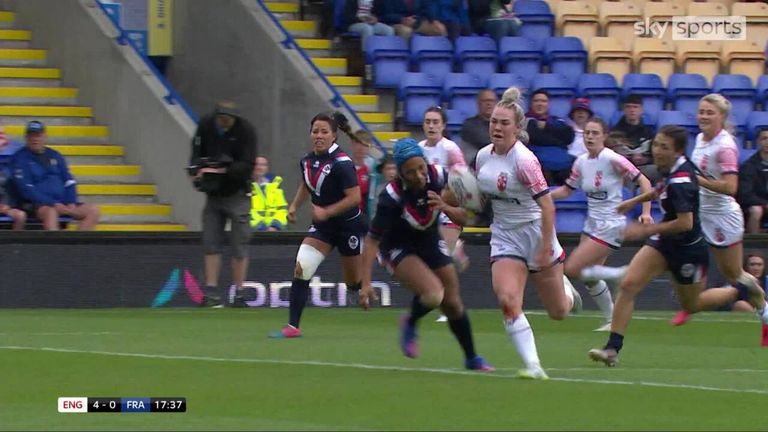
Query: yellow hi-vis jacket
pixel 268 206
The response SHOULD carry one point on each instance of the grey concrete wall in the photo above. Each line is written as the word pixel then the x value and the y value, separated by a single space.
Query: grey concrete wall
pixel 123 93
pixel 226 49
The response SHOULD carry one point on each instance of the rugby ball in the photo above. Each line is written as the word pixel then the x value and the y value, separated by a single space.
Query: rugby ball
pixel 464 186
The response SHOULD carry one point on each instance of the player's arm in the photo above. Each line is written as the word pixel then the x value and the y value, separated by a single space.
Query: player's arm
pixel 629 204
pixel 645 187
pixel 728 185
pixel 302 194
pixel 447 203
pixel 351 199
pixel 561 192
pixel 683 222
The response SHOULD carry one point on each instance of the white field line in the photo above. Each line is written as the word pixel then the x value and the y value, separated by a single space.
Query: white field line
pixel 58 333
pixel 375 367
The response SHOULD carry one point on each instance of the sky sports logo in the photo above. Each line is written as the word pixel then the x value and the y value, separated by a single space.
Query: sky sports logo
pixel 695 28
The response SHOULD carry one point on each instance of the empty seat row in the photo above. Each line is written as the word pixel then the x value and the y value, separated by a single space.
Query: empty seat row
pixel 391 56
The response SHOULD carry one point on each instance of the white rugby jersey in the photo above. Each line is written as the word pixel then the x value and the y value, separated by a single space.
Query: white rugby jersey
pixel 602 179
pixel 512 181
pixel 715 158
pixel 445 153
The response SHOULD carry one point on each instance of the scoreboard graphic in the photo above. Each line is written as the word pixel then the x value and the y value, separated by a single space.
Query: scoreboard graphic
pixel 122 405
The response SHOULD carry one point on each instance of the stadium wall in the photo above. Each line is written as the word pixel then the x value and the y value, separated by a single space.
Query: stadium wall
pixel 230 49
pixel 102 270
pixel 124 93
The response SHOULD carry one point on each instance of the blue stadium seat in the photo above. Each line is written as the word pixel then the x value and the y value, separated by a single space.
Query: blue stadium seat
pixel 560 89
pixel 762 91
pixel 566 55
pixel 755 121
pixel 521 56
pixel 500 82
pixel 455 120
pixel 577 200
pixel 418 91
pixel 685 90
pixel 745 154
pixel 570 220
pixel 460 90
pixel 432 55
pixel 603 93
pixel 389 58
pixel 477 55
pixel 739 90
pixel 537 18
pixel 650 87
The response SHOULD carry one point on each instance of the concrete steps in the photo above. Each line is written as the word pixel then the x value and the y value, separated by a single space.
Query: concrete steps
pixel 335 69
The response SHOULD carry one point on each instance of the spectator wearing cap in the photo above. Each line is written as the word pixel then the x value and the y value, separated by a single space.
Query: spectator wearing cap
pixel 639 136
pixel 579 114
pixel 550 137
pixel 45 185
pixel 221 166
pixel 753 185
pixel 474 131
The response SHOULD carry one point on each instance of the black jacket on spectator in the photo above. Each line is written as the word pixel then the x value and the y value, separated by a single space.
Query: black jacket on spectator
pixel 235 148
pixel 637 135
pixel 392 12
pixel 557 133
pixel 474 132
pixel 753 182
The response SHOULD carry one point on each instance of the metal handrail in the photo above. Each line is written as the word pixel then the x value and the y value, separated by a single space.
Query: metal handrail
pixel 337 100
pixel 172 98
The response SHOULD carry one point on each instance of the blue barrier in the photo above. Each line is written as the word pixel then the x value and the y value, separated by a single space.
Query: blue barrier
pixel 337 100
pixel 172 98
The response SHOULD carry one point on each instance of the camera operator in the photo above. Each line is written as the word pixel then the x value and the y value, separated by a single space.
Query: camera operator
pixel 223 154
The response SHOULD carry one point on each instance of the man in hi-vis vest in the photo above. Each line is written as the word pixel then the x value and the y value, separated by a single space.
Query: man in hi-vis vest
pixel 269 207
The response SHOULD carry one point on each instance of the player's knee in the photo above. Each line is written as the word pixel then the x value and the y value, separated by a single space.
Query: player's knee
pixel 756 212
pixel 432 298
pixel 558 313
pixel 307 261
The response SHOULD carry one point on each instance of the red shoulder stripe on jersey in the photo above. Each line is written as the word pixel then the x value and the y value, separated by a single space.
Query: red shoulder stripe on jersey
pixel 680 174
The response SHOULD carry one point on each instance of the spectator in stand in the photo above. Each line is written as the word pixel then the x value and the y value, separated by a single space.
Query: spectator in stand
pixel 444 18
pixel 269 209
pixel 400 14
pixel 359 17
pixel 386 171
pixel 618 142
pixel 364 162
pixel 639 136
pixel 580 113
pixel 494 17
pixel 753 185
pixel 8 199
pixel 45 185
pixel 474 131
pixel 550 137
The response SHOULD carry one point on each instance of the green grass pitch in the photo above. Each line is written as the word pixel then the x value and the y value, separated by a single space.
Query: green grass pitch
pixel 347 372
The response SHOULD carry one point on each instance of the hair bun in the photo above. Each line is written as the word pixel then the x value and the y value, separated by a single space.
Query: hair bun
pixel 511 95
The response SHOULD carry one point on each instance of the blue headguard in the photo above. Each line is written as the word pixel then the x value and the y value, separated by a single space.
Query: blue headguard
pixel 405 149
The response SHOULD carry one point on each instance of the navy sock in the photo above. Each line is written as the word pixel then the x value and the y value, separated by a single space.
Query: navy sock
pixel 298 298
pixel 418 310
pixel 463 332
pixel 212 291
pixel 743 291
pixel 615 341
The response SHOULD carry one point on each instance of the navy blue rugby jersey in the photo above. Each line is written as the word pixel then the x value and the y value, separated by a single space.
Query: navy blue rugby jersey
pixel 679 193
pixel 404 215
pixel 327 176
